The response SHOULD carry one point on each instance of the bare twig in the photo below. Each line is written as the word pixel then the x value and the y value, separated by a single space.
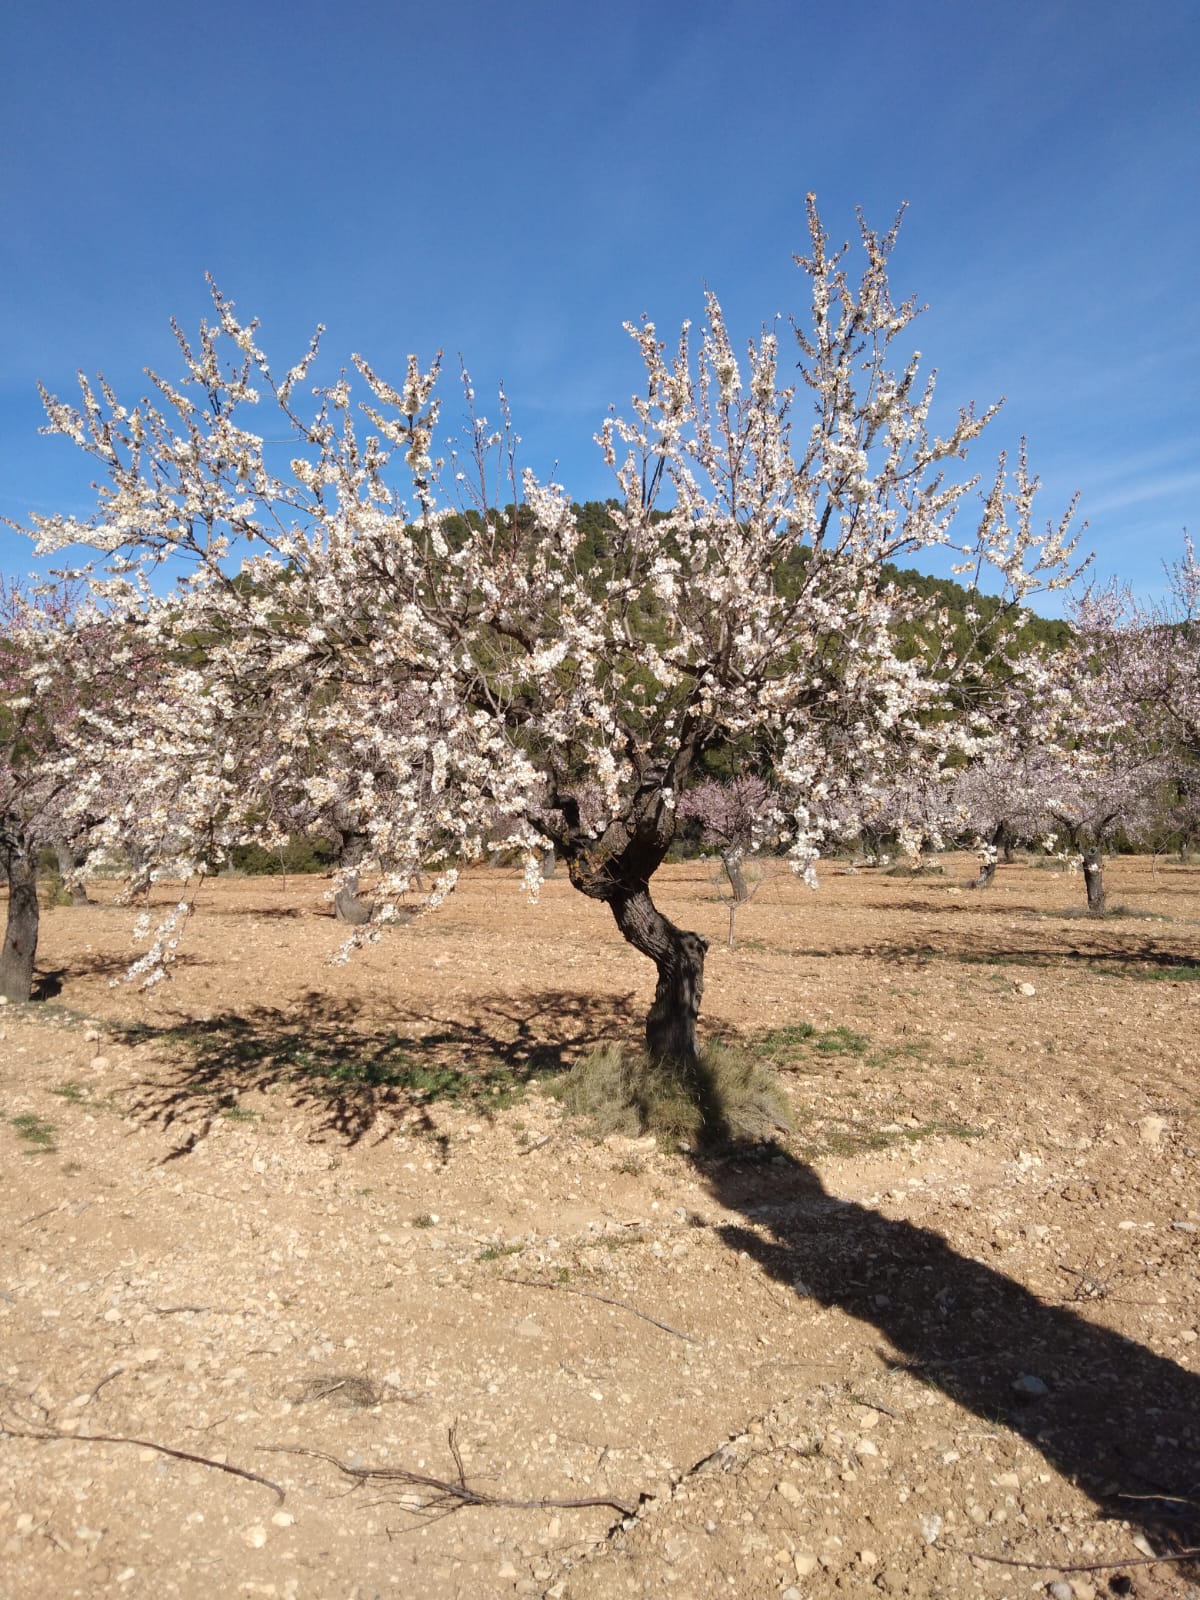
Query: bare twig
pixel 537 1145
pixel 446 1496
pixel 1094 1566
pixel 588 1294
pixel 45 1434
pixel 115 1373
pixel 1170 1499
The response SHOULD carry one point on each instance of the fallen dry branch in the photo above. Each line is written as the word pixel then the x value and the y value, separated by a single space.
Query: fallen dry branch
pixel 1093 1566
pixel 588 1294
pixel 446 1496
pixel 46 1434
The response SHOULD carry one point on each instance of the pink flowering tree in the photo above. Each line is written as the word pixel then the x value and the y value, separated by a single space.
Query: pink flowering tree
pixel 734 817
pixel 476 667
pixel 1149 656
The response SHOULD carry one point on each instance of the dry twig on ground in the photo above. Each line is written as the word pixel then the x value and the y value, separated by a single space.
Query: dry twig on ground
pixel 447 1496
pixel 604 1299
pixel 47 1434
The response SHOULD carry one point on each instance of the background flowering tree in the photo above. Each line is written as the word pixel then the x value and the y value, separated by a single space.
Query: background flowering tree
pixel 58 661
pixel 427 672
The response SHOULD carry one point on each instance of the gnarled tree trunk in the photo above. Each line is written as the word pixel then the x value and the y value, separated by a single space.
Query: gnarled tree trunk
pixel 1093 880
pixel 19 861
pixel 617 869
pixel 679 958
pixel 347 904
pixel 67 863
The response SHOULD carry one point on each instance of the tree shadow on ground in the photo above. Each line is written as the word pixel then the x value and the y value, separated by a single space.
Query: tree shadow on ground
pixel 353 1076
pixel 1123 959
pixel 1120 1422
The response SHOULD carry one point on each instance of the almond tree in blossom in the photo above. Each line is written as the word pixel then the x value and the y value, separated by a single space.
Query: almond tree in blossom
pixel 475 667
pixel 56 656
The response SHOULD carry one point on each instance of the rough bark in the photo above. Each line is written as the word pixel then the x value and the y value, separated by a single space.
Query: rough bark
pixel 617 869
pixel 678 957
pixel 67 863
pixel 347 904
pixel 348 907
pixel 1093 879
pixel 21 931
pixel 731 860
pixel 987 864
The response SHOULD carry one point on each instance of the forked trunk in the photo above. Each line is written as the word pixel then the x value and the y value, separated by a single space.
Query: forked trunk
pixel 1093 879
pixel 21 931
pixel 731 860
pixel 678 957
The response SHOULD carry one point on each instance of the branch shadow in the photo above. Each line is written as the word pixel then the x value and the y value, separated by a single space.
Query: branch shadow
pixel 353 1077
pixel 1117 1420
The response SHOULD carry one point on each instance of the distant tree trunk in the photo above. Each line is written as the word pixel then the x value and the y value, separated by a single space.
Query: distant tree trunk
pixel 731 860
pixel 548 862
pixel 987 864
pixel 67 863
pixel 987 873
pixel 19 861
pixel 1093 879
pixel 347 905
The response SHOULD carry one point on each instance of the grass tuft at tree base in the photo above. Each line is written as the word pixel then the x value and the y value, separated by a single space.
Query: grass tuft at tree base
pixel 728 1098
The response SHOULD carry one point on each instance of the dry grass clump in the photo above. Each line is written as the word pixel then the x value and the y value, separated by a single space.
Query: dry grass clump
pixel 342 1388
pixel 727 1098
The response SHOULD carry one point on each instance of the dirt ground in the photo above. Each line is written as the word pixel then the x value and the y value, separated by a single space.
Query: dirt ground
pixel 284 1239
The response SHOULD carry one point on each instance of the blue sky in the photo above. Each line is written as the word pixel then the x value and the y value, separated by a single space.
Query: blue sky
pixel 514 181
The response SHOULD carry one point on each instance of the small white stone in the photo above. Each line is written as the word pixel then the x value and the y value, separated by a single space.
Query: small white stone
pixel 1026 989
pixel 1032 1387
pixel 789 1492
pixel 255 1537
pixel 283 1519
pixel 805 1563
pixel 1151 1129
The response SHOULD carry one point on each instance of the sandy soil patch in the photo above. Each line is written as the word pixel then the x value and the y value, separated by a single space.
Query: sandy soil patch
pixel 328 1224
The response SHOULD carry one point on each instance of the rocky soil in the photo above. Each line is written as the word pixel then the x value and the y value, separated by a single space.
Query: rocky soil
pixel 309 1287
